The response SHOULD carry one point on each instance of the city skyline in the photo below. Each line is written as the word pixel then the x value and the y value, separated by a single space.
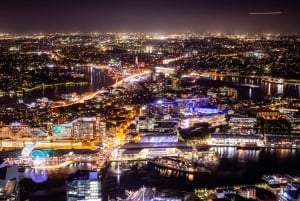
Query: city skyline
pixel 178 113
pixel 150 16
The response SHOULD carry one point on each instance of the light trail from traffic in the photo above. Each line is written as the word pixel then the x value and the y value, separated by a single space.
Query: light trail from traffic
pixel 90 95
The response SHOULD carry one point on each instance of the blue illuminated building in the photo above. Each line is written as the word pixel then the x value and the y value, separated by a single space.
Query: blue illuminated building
pixel 206 110
pixel 198 106
pixel 159 138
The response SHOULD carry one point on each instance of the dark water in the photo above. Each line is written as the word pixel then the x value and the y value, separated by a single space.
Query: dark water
pixel 235 167
pixel 99 79
pixel 46 184
pixel 16 153
pixel 258 90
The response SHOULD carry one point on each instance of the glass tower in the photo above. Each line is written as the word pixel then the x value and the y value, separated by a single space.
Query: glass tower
pixel 84 185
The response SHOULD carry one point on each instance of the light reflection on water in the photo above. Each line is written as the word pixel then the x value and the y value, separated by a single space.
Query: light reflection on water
pixel 226 152
pixel 234 153
pixel 173 173
pixel 100 79
pixel 42 175
pixel 235 167
pixel 248 154
pixel 264 88
pixel 38 176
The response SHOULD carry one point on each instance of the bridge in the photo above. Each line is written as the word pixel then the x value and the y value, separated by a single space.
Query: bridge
pixel 95 66
pixel 29 147
pixel 131 77
pixel 100 67
pixel 167 61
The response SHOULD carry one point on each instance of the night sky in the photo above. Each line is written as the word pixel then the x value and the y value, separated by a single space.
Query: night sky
pixel 20 16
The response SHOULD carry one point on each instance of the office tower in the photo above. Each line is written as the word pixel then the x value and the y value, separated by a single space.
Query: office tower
pixel 84 185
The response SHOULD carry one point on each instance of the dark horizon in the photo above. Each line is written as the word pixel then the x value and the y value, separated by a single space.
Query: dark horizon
pixel 226 16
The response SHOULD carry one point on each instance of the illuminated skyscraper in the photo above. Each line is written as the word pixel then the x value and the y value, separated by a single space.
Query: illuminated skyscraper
pixel 84 185
pixel 9 183
pixel 137 62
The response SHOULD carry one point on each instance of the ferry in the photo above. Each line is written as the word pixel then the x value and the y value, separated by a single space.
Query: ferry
pixel 248 85
pixel 177 164
pixel 205 76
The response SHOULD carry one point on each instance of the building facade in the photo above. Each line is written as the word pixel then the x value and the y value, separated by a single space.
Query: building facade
pixel 84 185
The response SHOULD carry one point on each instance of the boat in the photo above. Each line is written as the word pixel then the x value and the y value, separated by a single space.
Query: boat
pixel 248 85
pixel 205 75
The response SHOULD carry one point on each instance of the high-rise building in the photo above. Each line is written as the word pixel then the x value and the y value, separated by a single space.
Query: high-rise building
pixel 9 183
pixel 85 128
pixel 84 185
pixel 89 128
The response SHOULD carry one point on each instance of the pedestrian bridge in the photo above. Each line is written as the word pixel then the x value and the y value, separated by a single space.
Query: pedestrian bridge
pixel 28 148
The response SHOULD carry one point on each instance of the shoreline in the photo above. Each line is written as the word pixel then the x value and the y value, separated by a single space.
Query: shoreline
pixel 45 86
pixel 21 92
pixel 79 146
pixel 285 81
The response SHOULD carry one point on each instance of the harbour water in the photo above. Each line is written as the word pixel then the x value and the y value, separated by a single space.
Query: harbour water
pixel 99 79
pixel 235 167
pixel 254 88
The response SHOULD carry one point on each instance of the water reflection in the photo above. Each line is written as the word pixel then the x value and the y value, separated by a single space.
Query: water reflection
pixel 239 154
pixel 244 155
pixel 275 155
pixel 269 89
pixel 283 153
pixel 173 173
pixel 236 166
pixel 226 152
pixel 280 88
pixel 263 87
pixel 99 78
pixel 37 176
pixel 42 175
